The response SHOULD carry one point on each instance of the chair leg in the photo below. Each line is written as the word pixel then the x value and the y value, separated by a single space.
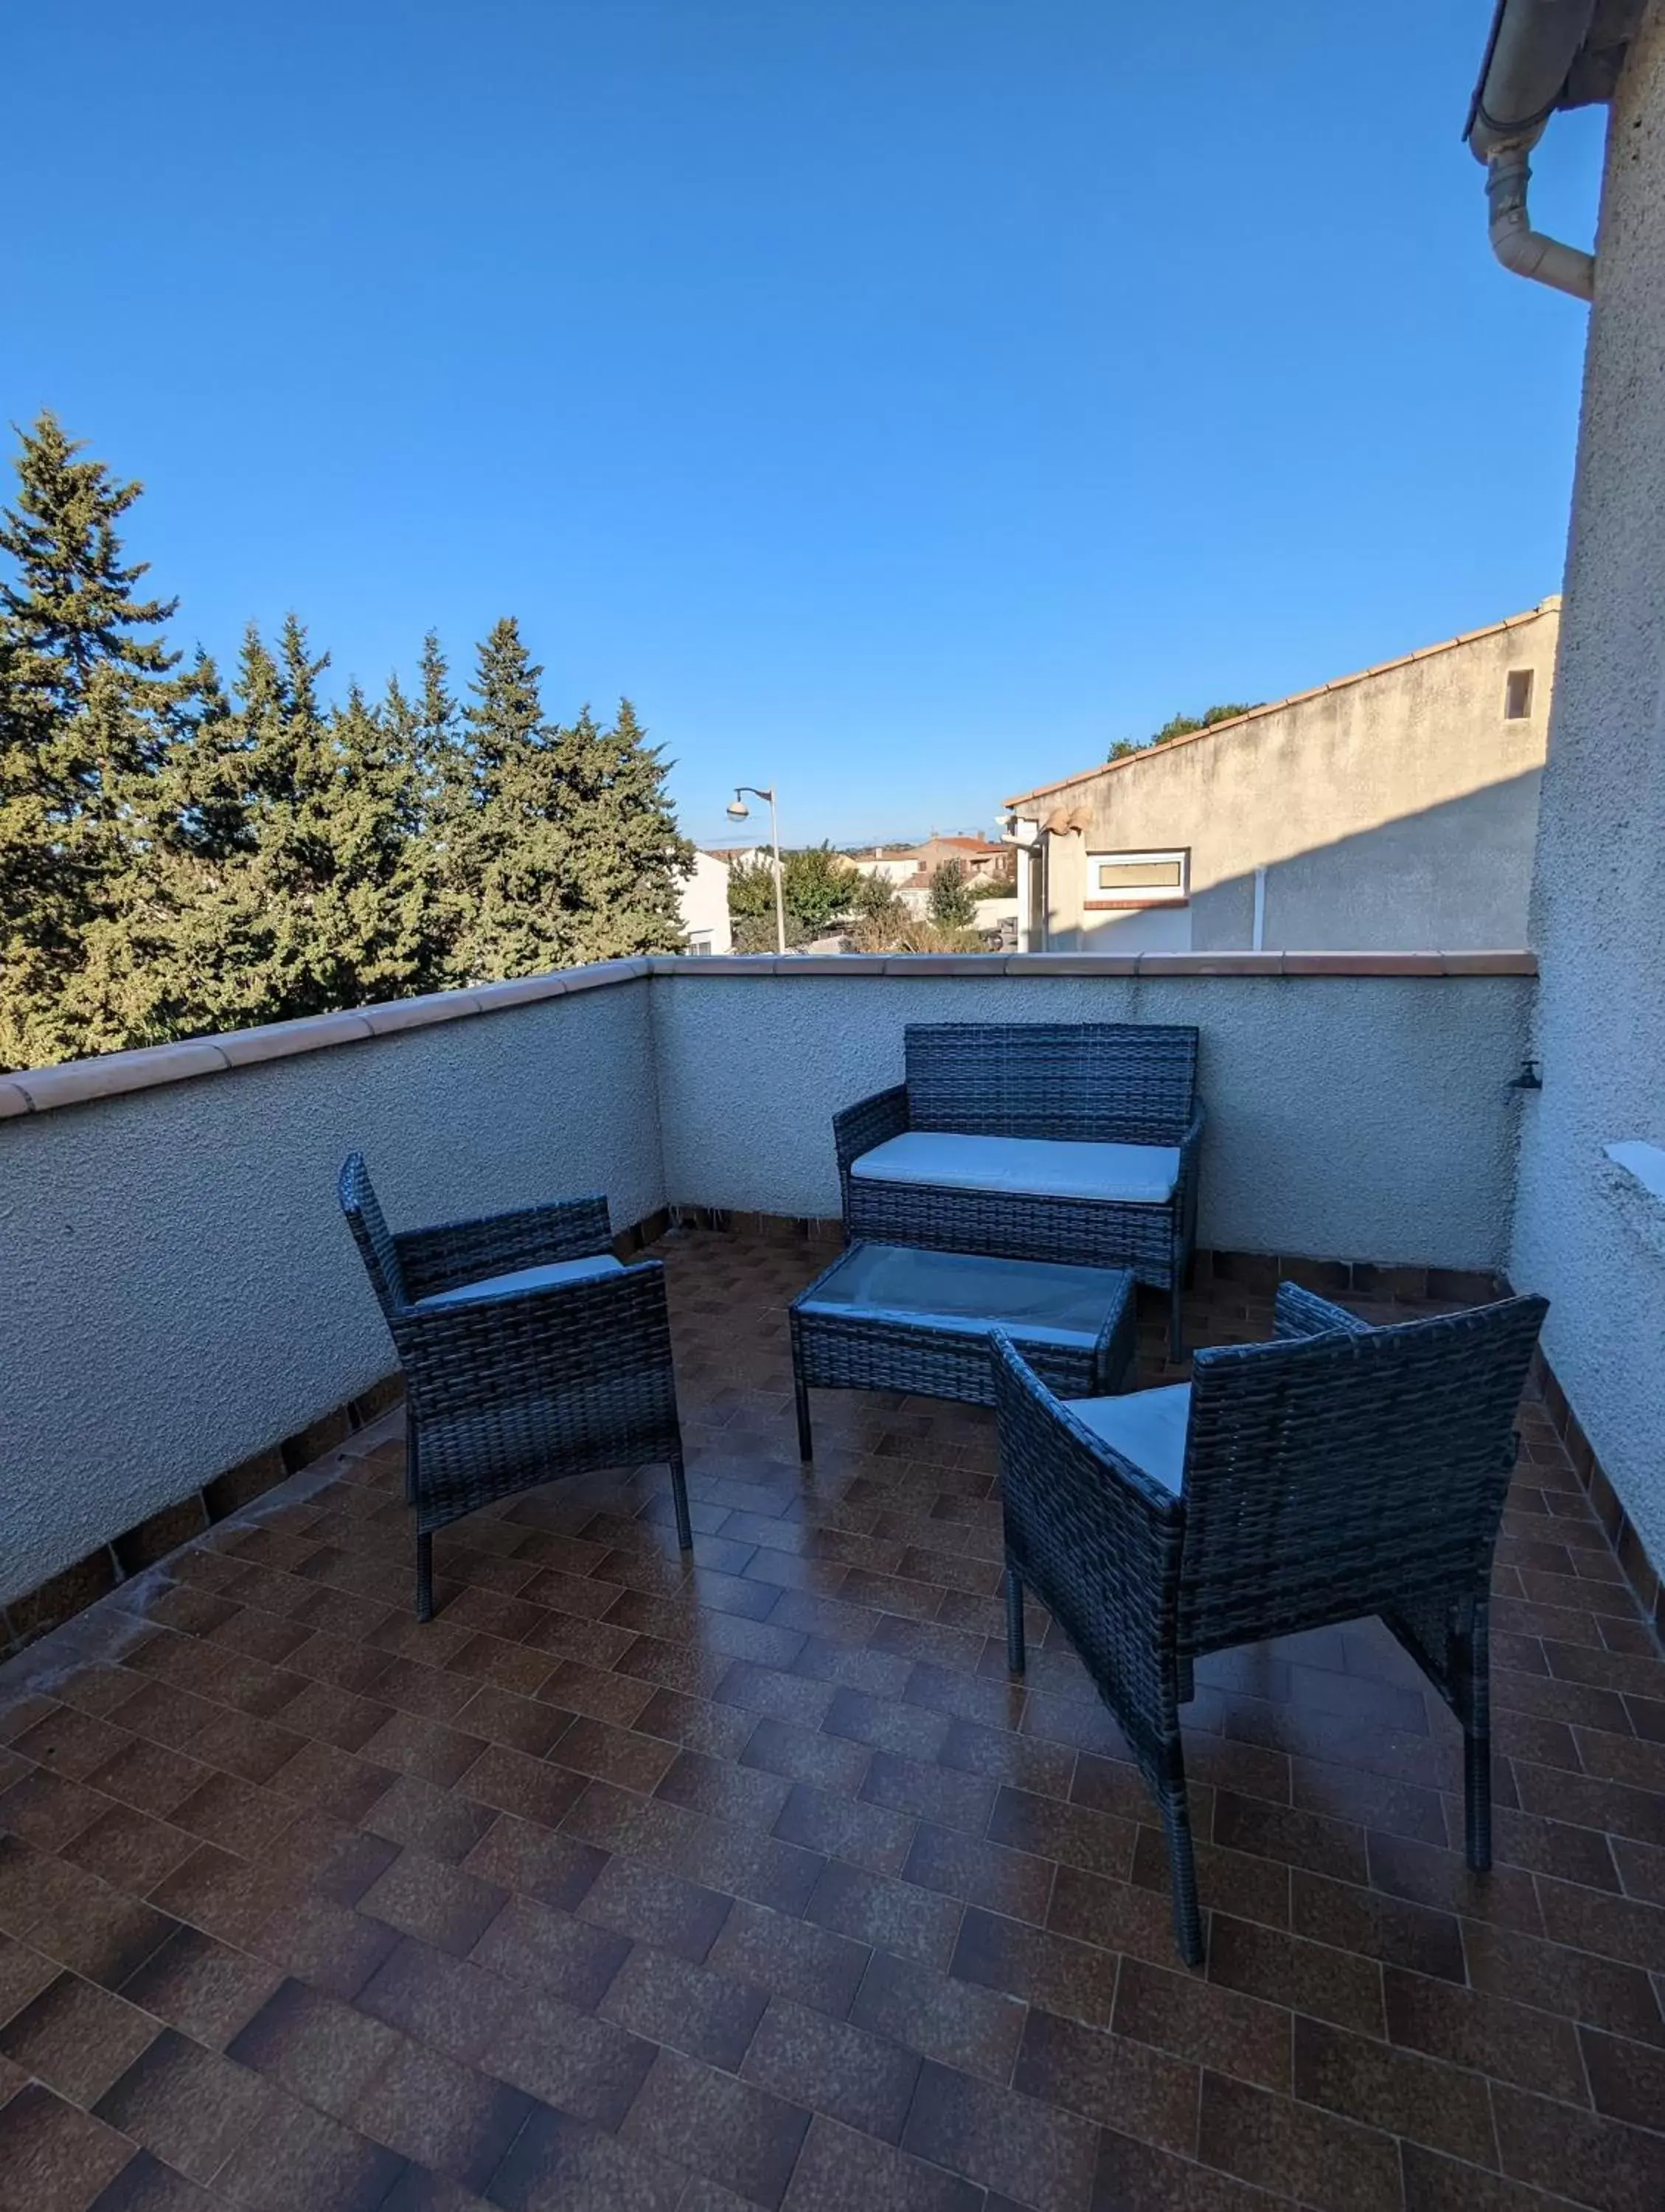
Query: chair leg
pixel 1177 1318
pixel 1474 1675
pixel 1477 1800
pixel 424 1577
pixel 409 1461
pixel 805 1441
pixel 1014 1621
pixel 1181 1857
pixel 679 1499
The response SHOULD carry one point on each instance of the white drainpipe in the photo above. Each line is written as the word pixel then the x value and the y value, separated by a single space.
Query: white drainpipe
pixel 1528 253
pixel 1533 45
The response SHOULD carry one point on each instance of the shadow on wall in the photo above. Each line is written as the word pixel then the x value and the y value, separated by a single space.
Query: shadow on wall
pixel 1455 875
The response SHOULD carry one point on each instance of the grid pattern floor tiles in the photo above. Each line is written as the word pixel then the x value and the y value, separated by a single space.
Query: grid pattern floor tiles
pixel 622 1886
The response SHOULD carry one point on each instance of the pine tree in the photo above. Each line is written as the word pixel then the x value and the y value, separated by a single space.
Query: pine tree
pixel 159 955
pixel 44 890
pixel 380 909
pixel 428 734
pixel 90 714
pixel 513 855
pixel 174 861
pixel 204 960
pixel 446 778
pixel 331 907
pixel 72 606
pixel 631 860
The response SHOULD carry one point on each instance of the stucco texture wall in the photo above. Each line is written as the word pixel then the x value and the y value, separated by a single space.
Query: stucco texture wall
pixel 1392 813
pixel 1583 1236
pixel 178 1289
pixel 1351 1117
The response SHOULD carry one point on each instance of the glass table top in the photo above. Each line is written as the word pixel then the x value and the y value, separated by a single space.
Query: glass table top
pixel 1038 1299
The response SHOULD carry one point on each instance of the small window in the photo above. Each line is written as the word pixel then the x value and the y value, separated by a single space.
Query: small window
pixel 1517 695
pixel 701 942
pixel 1117 879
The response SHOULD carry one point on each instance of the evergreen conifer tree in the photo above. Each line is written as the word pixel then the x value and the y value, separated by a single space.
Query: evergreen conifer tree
pixel 428 733
pixel 175 862
pixel 160 951
pixel 71 604
pixel 384 887
pixel 45 894
pixel 332 911
pixel 628 859
pixel 514 857
pixel 446 779
pixel 90 714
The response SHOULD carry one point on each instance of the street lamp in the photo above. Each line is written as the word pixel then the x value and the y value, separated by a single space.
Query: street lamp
pixel 737 811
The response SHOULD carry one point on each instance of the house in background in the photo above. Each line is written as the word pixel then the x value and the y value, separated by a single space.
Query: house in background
pixel 910 868
pixel 704 900
pixel 1390 810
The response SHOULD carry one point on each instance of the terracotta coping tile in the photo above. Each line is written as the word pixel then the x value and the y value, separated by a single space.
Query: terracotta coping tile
pixel 115 1074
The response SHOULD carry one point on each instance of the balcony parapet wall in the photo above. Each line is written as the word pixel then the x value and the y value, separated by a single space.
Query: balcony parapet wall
pixel 179 1297
pixel 110 1075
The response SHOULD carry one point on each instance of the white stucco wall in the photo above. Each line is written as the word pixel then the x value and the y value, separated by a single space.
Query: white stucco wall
pixel 178 1289
pixel 1356 1117
pixel 704 904
pixel 1583 1235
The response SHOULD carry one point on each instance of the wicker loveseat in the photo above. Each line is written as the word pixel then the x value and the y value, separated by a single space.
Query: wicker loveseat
pixel 1039 1140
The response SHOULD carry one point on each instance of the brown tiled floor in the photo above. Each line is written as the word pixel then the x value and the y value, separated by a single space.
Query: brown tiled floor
pixel 617 1886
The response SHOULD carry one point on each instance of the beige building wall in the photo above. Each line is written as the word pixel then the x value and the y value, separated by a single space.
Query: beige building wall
pixel 703 900
pixel 1391 810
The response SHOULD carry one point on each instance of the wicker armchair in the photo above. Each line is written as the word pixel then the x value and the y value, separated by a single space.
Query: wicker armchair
pixel 529 1354
pixel 1083 1085
pixel 1342 1470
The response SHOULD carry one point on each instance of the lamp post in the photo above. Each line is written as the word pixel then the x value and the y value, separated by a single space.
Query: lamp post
pixel 737 811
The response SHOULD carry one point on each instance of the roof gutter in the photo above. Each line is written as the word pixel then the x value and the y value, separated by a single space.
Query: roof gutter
pixel 1535 45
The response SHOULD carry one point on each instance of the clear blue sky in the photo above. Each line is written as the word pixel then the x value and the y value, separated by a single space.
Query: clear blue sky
pixel 899 398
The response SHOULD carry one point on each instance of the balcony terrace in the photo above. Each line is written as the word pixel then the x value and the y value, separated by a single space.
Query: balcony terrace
pixel 625 1884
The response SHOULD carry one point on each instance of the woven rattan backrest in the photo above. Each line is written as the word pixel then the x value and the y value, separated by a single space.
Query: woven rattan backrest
pixel 1340 1475
pixel 375 1243
pixel 1128 1083
pixel 1101 1553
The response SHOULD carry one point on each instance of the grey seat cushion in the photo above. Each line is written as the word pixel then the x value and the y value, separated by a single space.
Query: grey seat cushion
pixel 1146 1426
pixel 525 1279
pixel 1029 1167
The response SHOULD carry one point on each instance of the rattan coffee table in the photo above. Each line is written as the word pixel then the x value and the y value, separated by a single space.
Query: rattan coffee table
pixel 889 1317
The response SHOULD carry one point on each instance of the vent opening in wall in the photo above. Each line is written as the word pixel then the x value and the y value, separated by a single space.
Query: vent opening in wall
pixel 1517 695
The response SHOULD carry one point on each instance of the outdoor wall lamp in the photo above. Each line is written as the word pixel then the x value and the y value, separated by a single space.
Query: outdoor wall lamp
pixel 737 810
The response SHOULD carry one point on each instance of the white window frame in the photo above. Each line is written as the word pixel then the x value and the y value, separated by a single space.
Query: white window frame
pixel 1176 895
